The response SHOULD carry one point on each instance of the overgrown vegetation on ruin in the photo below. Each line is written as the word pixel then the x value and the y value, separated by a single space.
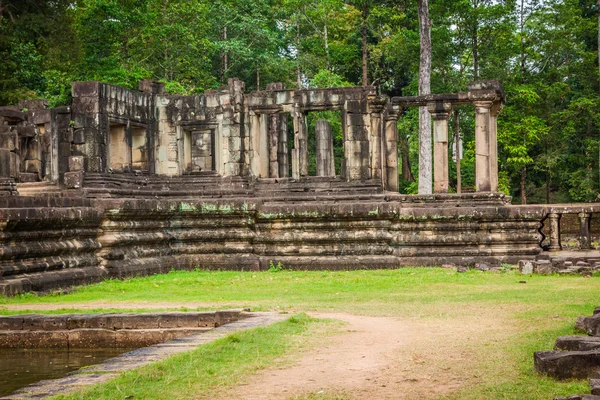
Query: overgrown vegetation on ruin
pixel 534 313
pixel 544 53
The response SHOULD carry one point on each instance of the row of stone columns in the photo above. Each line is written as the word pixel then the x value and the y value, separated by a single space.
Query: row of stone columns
pixel 585 239
pixel 486 145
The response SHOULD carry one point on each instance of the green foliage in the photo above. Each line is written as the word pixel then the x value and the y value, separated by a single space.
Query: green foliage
pixel 275 267
pixel 543 52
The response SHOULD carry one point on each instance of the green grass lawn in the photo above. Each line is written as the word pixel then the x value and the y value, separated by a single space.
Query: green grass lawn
pixel 536 309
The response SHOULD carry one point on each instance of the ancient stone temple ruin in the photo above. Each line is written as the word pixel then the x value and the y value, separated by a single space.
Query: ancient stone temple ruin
pixel 127 182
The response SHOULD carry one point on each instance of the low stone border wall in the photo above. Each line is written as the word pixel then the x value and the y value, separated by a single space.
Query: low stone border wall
pixel 88 331
pixel 113 367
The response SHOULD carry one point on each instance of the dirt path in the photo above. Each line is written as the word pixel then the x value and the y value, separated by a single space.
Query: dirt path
pixel 380 358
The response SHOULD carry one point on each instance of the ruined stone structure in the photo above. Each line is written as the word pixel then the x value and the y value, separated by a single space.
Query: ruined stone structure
pixel 129 182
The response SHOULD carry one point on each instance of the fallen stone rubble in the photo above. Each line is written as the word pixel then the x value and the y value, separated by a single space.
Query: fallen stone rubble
pixel 575 357
pixel 559 265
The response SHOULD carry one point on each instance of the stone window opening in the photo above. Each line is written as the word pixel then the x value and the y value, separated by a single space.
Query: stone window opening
pixel 199 150
pixel 325 143
pixel 119 150
pixel 127 147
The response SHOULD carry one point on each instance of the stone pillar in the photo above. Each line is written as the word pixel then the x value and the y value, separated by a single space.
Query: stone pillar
pixel 300 150
pixel 495 110
pixel 585 240
pixel 482 146
pixel 555 244
pixel 255 143
pixel 356 144
pixel 376 107
pixel 282 146
pixel 391 150
pixel 325 158
pixel 263 152
pixel 440 112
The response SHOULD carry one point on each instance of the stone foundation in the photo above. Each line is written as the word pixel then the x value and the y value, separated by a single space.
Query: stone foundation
pixel 52 243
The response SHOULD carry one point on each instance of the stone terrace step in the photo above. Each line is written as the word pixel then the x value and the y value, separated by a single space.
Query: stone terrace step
pixel 39 189
pixel 208 184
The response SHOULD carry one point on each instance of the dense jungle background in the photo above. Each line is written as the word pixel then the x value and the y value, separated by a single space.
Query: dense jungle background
pixel 545 54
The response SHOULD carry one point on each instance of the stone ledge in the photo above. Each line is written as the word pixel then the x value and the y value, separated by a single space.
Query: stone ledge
pixel 113 367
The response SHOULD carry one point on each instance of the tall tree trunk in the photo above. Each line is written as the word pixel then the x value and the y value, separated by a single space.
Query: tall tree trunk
pixel 598 6
pixel 425 156
pixel 523 188
pixel 224 56
pixel 298 71
pixel 522 28
pixel 365 71
pixel 257 77
pixel 457 150
pixel 475 41
pixel 326 38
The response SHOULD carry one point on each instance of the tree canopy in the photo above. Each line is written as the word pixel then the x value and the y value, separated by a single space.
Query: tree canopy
pixel 544 52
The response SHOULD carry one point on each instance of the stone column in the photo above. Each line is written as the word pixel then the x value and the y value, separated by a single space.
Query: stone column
pixel 300 150
pixel 282 146
pixel 263 151
pixel 255 143
pixel 482 146
pixel 325 158
pixel 273 146
pixel 495 110
pixel 440 112
pixel 555 244
pixel 585 240
pixel 376 107
pixel 391 150
pixel 356 144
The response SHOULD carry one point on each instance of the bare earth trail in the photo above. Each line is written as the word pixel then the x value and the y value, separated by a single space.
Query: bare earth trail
pixel 373 357
pixel 380 358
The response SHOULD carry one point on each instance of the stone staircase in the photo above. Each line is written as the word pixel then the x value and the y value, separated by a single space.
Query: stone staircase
pixel 316 189
pixel 202 184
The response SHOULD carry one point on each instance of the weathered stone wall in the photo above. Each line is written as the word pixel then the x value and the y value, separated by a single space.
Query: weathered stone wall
pixel 45 246
pixel 95 107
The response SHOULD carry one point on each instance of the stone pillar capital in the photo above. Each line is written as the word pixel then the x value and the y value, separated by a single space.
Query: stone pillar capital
pixel 497 107
pixel 481 105
pixel 393 112
pixel 439 110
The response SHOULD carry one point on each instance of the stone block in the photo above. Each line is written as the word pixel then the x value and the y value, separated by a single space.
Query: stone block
pixel 80 89
pixel 39 117
pixel 139 337
pixel 74 180
pixel 595 385
pixel 8 140
pixel 568 364
pixel 26 131
pixel 33 166
pixel 79 136
pixel 577 343
pixel 526 267
pixel 544 267
pixel 12 323
pixel 92 339
pixel 579 397
pixel 11 340
pixel 45 340
pixel 5 163
pixel 75 163
pixel 36 104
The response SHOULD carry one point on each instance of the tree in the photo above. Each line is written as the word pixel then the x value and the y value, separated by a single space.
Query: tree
pixel 425 156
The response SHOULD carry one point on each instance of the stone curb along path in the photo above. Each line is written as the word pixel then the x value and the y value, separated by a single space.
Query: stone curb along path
pixel 113 367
